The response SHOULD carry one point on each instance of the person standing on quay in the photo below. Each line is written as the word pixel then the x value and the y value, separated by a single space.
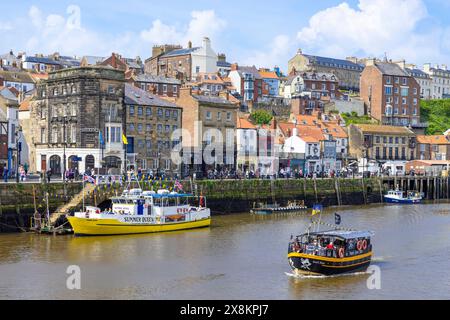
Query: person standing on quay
pixel 5 174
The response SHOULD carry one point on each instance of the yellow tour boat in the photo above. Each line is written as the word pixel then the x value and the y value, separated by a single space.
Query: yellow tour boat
pixel 137 212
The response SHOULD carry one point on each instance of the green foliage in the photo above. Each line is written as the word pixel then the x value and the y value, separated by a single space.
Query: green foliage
pixel 261 117
pixel 437 114
pixel 353 118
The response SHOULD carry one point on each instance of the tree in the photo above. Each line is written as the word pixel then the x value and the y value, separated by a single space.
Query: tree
pixel 261 117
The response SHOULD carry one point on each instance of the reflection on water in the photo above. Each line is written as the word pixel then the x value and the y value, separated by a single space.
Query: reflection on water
pixel 239 257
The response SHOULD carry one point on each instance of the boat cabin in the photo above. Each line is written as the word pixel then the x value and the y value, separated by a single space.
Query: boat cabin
pixel 333 244
pixel 151 203
pixel 395 193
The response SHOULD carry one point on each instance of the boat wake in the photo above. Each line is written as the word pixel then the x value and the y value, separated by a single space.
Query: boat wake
pixel 304 276
pixel 379 259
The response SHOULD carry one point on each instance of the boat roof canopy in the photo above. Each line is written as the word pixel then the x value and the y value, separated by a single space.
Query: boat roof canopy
pixel 344 234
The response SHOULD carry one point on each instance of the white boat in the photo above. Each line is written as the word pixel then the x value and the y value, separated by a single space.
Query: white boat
pixel 398 196
pixel 137 211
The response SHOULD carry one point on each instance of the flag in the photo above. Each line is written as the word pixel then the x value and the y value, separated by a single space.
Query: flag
pixel 337 219
pixel 88 179
pixel 124 139
pixel 178 185
pixel 100 138
pixel 317 208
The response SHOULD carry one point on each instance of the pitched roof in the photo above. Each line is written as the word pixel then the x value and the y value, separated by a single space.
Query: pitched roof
pixel 268 75
pixel 334 129
pixel 251 70
pixel 180 52
pixel 137 96
pixel 310 134
pixel 39 76
pixel 391 69
pixel 156 79
pixel 417 73
pixel 334 63
pixel 212 99
pixel 22 76
pixel 43 60
pixel 437 139
pixel 25 105
pixel 374 128
pixel 286 128
pixel 244 123
pixel 209 78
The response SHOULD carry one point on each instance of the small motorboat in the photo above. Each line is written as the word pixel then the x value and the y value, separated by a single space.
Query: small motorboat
pixel 398 196
pixel 292 206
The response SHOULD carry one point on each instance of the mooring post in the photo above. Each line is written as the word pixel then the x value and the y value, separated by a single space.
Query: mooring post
pixel 364 190
pixel 315 189
pixel 381 189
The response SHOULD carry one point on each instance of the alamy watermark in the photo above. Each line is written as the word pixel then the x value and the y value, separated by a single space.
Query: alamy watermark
pixel 73 281
pixel 374 280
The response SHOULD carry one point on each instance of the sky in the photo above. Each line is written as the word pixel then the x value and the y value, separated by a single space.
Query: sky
pixel 261 33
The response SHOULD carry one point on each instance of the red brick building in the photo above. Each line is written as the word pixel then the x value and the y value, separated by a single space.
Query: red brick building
pixel 390 94
pixel 310 91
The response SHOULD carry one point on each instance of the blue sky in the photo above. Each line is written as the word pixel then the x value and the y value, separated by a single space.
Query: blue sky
pixel 249 32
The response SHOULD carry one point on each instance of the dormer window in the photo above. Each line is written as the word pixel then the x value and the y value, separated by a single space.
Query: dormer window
pixel 55 91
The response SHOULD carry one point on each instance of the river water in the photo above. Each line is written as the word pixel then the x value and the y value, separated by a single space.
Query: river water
pixel 239 257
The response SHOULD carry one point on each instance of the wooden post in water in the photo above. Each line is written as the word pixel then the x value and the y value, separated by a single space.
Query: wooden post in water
pixel 315 189
pixel 336 188
pixel 304 188
pixel 381 189
pixel 364 190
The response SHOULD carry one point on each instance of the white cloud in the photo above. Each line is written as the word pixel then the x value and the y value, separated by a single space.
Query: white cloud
pixel 279 50
pixel 202 23
pixel 375 27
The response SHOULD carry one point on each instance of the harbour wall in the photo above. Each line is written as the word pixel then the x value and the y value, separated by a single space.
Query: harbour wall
pixel 18 201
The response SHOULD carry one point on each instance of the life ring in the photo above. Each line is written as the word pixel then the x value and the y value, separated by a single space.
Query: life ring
pixel 341 253
pixel 364 244
pixel 359 245
pixel 202 202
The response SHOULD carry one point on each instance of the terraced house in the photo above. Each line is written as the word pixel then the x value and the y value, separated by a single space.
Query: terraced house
pixel 435 147
pixel 150 122
pixel 376 145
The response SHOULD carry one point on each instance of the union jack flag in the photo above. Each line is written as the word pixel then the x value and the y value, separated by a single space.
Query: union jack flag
pixel 88 179
pixel 178 185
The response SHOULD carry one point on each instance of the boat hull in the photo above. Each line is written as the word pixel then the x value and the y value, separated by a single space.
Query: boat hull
pixel 103 227
pixel 314 265
pixel 404 201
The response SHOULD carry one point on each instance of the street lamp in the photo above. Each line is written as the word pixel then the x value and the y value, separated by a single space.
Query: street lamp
pixel 64 121
pixel 18 147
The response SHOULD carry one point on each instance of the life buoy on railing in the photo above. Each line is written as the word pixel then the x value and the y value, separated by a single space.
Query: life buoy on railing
pixel 359 245
pixel 202 201
pixel 364 244
pixel 341 253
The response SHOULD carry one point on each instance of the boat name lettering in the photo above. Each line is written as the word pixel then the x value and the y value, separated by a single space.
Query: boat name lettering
pixel 138 219
pixel 182 210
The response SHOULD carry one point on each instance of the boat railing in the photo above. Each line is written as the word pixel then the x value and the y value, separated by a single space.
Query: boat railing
pixel 320 251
